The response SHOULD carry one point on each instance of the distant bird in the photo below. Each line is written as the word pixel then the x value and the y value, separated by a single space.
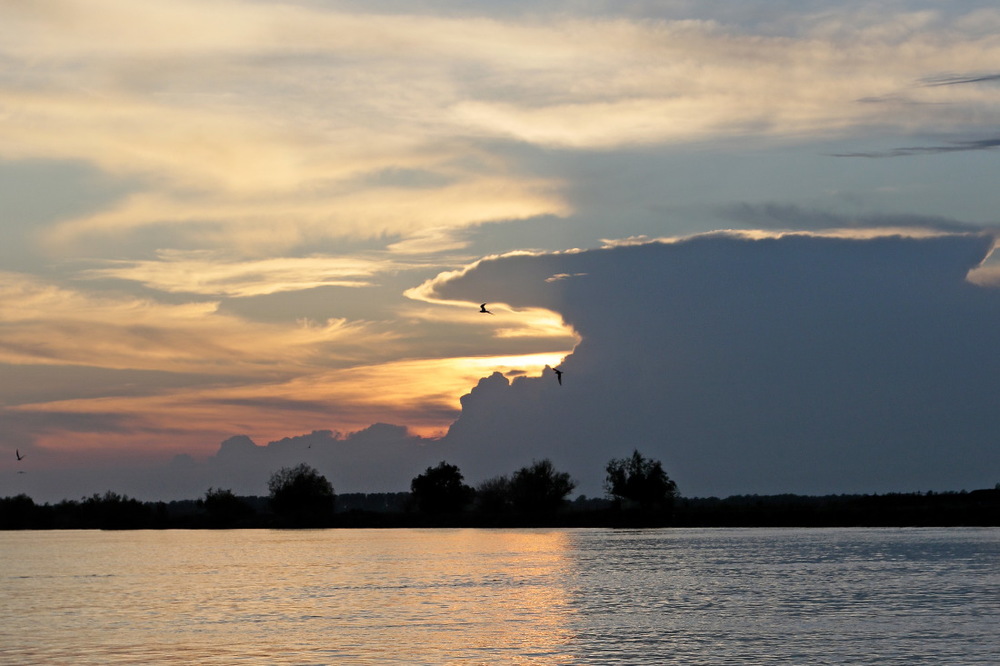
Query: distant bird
pixel 482 308
pixel 558 375
pixel 17 452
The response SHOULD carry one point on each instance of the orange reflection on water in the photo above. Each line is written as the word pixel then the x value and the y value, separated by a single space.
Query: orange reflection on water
pixel 289 597
pixel 504 592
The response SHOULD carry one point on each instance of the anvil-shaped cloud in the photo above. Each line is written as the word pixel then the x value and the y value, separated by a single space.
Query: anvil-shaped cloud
pixel 771 364
pixel 746 363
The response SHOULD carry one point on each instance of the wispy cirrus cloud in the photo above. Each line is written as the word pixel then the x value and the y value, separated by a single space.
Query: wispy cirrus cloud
pixel 44 323
pixel 909 151
pixel 212 273
pixel 788 216
pixel 955 80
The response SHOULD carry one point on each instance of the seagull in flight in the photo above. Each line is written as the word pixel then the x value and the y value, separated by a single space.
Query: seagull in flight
pixel 482 308
pixel 558 375
pixel 17 452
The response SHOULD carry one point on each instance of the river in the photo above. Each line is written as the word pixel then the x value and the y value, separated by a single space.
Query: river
pixel 467 596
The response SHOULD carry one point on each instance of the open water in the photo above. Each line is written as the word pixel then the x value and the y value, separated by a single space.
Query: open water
pixel 593 596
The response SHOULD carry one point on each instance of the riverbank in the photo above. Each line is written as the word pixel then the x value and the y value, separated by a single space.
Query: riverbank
pixel 394 510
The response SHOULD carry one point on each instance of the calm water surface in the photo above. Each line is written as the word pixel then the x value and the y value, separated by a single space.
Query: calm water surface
pixel 796 596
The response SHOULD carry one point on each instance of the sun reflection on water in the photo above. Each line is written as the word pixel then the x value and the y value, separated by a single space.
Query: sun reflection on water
pixel 316 597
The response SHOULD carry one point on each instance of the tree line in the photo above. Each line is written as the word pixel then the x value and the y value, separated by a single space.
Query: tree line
pixel 638 492
pixel 301 496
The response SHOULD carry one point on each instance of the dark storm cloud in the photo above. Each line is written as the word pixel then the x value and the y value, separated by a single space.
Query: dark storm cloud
pixel 784 216
pixel 792 364
pixel 953 147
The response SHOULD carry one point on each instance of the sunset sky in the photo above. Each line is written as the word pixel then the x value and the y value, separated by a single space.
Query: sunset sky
pixel 267 221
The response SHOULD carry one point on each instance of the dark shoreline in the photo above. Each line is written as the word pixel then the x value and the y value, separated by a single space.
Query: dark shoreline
pixel 978 508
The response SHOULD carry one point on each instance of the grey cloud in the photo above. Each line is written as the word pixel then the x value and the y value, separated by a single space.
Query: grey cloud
pixel 43 383
pixel 953 147
pixel 382 457
pixel 792 364
pixel 283 404
pixel 785 216
pixel 960 80
pixel 53 420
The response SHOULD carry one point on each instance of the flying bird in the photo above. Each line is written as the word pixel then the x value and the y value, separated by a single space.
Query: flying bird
pixel 482 308
pixel 17 452
pixel 558 375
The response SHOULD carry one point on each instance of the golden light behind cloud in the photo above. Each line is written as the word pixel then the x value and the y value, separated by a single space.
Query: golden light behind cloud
pixel 421 393
pixel 47 324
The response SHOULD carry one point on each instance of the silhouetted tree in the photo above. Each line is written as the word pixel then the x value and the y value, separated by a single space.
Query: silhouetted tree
pixel 301 494
pixel 539 488
pixel 440 490
pixel 224 508
pixel 493 495
pixel 18 512
pixel 640 482
pixel 115 512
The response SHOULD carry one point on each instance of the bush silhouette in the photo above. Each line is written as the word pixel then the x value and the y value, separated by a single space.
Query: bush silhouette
pixel 440 490
pixel 224 508
pixel 493 495
pixel 302 495
pixel 539 488
pixel 640 482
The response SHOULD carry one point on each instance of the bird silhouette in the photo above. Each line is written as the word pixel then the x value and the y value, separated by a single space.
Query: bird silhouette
pixel 482 308
pixel 558 375
pixel 17 452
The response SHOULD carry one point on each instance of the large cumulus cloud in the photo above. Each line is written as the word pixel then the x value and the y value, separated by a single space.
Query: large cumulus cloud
pixel 771 364
pixel 748 363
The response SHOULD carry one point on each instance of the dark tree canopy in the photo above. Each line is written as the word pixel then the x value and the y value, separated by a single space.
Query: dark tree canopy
pixel 441 489
pixel 224 508
pixel 301 493
pixel 539 488
pixel 640 481
pixel 493 495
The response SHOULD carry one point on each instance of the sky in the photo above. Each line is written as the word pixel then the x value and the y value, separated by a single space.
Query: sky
pixel 756 237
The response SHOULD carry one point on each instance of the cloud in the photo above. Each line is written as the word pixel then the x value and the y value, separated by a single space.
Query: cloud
pixel 211 273
pixel 379 458
pixel 961 80
pixel 791 363
pixel 786 216
pixel 255 225
pixel 954 147
pixel 44 323
pixel 747 363
pixel 283 125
